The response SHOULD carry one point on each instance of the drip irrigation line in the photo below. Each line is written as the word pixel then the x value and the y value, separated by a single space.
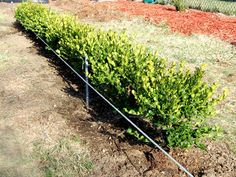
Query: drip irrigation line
pixel 131 122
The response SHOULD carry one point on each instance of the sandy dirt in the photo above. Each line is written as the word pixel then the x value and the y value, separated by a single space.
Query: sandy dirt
pixel 31 93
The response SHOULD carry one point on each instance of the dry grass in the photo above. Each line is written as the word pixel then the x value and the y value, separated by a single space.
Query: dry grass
pixel 64 158
pixel 30 111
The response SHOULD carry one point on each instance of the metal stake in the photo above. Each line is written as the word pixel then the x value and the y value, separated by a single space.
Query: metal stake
pixel 87 81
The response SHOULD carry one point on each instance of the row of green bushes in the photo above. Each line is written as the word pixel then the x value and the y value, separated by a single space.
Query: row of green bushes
pixel 169 96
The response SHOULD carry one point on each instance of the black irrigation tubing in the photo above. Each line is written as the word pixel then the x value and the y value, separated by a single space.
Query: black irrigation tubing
pixel 126 118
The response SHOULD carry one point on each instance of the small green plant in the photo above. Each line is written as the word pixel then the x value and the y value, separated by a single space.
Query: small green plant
pixel 137 135
pixel 179 5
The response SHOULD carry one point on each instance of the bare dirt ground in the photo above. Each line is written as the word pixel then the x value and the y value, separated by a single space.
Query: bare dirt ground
pixel 41 100
pixel 31 94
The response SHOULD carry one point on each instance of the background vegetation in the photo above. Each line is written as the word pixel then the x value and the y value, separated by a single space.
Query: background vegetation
pixel 223 6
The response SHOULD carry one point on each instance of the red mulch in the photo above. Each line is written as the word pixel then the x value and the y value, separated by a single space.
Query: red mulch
pixel 191 21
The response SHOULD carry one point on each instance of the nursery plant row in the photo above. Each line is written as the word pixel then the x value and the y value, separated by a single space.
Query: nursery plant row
pixel 170 97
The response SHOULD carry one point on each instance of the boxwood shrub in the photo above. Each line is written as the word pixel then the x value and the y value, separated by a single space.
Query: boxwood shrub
pixel 166 94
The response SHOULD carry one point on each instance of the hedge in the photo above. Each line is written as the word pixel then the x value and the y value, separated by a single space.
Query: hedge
pixel 167 94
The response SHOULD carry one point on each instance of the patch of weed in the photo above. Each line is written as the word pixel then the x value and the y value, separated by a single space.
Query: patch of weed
pixel 62 159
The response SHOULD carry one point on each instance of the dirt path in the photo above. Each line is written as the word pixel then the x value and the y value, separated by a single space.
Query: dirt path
pixel 31 94
pixel 12 99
